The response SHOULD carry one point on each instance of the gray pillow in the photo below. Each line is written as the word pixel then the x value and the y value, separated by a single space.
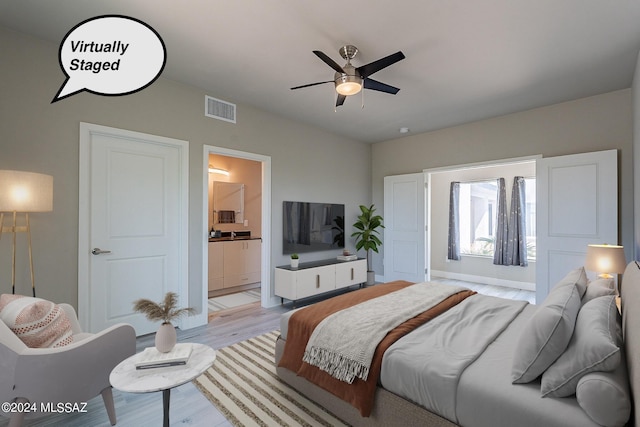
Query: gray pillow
pixel 547 333
pixel 579 277
pixel 593 347
pixel 598 288
pixel 605 396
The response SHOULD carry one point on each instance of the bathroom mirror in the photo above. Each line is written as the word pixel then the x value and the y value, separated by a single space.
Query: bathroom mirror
pixel 228 202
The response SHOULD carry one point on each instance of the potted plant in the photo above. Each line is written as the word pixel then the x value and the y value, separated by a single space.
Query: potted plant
pixel 167 311
pixel 295 259
pixel 368 226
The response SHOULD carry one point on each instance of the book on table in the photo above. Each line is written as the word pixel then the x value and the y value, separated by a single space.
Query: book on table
pixel 152 358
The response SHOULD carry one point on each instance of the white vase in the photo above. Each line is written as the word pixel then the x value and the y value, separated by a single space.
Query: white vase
pixel 166 338
pixel 294 263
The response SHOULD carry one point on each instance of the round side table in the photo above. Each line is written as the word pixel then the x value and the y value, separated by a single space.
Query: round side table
pixel 125 376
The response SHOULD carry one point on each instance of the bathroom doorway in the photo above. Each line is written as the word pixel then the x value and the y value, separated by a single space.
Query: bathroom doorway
pixel 236 266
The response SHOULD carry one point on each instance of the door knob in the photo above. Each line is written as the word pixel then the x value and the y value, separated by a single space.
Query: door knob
pixel 98 251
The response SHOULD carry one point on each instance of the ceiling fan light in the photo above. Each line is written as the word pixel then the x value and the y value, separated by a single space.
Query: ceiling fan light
pixel 348 84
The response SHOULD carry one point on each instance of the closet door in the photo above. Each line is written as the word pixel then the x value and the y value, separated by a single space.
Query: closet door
pixel 404 233
pixel 577 201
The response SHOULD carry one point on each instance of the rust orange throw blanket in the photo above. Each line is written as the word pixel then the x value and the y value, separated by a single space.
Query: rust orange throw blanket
pixel 360 393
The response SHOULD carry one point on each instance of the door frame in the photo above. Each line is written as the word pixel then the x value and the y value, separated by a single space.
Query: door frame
pixel 475 165
pixel 266 292
pixel 84 210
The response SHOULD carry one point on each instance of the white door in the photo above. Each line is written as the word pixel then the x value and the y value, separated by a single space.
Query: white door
pixel 133 224
pixel 404 233
pixel 577 202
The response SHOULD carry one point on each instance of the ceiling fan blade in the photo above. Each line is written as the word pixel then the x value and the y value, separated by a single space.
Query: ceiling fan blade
pixel 340 100
pixel 330 62
pixel 375 66
pixel 312 84
pixel 379 86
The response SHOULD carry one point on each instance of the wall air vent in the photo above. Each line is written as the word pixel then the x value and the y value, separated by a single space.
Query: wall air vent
pixel 218 109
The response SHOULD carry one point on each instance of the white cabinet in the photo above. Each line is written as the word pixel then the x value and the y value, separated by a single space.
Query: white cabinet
pixel 351 273
pixel 216 265
pixel 241 262
pixel 314 278
pixel 312 281
pixel 234 263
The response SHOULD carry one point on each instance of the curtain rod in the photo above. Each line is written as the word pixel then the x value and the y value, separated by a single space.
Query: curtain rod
pixel 471 181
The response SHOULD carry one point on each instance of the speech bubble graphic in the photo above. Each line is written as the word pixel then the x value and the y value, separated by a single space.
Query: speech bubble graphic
pixel 110 55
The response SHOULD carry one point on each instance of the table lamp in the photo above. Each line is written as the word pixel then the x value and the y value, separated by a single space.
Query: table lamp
pixel 606 260
pixel 23 193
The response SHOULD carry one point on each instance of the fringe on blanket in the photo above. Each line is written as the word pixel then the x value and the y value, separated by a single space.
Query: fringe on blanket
pixel 337 365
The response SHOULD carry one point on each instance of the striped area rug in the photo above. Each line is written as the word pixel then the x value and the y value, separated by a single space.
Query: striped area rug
pixel 244 386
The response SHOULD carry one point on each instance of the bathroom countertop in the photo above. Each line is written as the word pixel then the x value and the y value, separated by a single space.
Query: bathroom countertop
pixel 231 239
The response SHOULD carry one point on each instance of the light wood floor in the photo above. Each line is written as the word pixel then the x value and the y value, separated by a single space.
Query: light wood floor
pixel 188 406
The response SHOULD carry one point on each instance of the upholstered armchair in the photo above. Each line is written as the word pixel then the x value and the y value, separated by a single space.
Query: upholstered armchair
pixel 73 373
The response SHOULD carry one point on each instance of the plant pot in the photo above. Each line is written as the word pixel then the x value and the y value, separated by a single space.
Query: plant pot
pixel 371 278
pixel 166 338
pixel 294 263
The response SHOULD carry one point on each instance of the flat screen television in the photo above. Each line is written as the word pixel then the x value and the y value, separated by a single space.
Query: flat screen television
pixel 312 227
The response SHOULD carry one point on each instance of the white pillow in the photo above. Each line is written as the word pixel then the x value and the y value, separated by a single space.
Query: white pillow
pixel 37 322
pixel 547 333
pixel 598 288
pixel 579 277
pixel 593 347
pixel 605 396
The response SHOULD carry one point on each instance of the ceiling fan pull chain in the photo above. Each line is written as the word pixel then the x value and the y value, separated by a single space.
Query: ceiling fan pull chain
pixel 362 96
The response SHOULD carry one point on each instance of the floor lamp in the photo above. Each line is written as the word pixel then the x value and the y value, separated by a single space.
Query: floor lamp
pixel 23 193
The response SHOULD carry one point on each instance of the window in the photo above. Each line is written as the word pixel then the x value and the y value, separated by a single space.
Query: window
pixel 478 210
pixel 478 207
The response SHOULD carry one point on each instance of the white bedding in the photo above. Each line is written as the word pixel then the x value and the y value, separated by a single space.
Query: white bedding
pixel 425 365
pixel 486 397
pixel 459 365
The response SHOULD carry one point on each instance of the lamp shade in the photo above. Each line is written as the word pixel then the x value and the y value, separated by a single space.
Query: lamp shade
pixel 25 192
pixel 605 259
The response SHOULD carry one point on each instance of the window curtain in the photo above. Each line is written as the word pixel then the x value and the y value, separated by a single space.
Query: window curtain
pixel 454 222
pixel 502 219
pixel 517 245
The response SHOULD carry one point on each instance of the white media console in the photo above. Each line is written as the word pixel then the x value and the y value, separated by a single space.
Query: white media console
pixel 317 277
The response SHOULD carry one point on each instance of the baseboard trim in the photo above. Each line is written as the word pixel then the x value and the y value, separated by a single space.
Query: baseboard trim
pixel 526 286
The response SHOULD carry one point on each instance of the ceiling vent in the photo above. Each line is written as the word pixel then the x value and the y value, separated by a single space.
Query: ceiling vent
pixel 219 109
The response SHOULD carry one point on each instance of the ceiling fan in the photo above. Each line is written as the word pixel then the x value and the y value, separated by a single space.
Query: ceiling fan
pixel 350 80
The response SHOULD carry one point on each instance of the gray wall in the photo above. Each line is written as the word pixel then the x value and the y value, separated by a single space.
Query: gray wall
pixel 307 164
pixel 590 124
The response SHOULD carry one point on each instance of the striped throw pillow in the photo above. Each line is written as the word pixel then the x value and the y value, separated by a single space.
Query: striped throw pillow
pixel 37 322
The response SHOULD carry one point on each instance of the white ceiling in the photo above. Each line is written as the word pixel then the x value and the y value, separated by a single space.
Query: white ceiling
pixel 465 60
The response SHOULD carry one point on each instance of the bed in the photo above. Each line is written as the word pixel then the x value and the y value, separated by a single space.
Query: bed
pixel 483 393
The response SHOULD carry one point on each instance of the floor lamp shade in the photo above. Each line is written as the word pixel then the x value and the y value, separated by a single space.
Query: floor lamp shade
pixel 25 192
